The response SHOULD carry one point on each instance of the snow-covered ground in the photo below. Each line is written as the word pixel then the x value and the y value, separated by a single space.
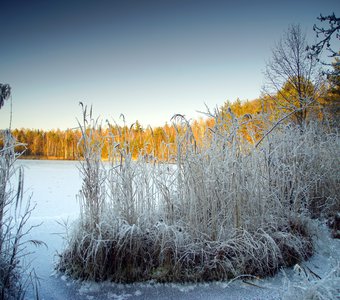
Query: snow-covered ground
pixel 54 185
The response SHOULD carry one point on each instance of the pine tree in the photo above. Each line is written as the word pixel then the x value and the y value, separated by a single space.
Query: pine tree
pixel 5 92
pixel 332 101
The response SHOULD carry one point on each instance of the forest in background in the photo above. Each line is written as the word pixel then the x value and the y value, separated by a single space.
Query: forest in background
pixel 298 89
pixel 157 142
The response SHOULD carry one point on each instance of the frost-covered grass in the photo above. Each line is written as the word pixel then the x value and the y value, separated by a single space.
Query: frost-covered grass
pixel 225 209
pixel 16 275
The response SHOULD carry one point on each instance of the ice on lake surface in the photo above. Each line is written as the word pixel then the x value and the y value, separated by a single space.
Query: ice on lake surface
pixel 54 186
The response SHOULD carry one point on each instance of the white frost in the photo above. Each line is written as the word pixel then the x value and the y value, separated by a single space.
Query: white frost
pixel 54 186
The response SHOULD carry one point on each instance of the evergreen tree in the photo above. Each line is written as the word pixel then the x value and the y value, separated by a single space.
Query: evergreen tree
pixel 332 100
pixel 5 93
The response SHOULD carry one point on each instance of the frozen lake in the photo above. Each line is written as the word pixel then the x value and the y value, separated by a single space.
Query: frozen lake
pixel 54 185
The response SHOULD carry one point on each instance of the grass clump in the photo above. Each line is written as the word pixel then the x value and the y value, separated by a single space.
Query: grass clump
pixel 16 276
pixel 225 208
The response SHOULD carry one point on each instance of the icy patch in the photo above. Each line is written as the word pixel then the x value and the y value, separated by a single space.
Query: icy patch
pixel 184 288
pixel 63 278
pixel 89 287
pixel 118 297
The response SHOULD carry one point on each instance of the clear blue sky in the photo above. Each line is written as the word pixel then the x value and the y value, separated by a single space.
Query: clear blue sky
pixel 145 59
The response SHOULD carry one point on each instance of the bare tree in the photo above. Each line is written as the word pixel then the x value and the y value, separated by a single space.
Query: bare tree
pixel 293 82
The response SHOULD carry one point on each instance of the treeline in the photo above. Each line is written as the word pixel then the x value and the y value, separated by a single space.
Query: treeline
pixel 296 89
pixel 54 144
pixel 159 143
pixel 57 144
pixel 250 119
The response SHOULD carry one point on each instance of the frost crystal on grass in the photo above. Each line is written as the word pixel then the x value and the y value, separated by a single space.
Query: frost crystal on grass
pixel 221 209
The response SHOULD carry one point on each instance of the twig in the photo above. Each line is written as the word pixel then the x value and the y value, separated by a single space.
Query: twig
pixel 280 121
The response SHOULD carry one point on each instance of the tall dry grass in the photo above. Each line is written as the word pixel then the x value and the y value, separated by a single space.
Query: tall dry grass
pixel 16 275
pixel 225 208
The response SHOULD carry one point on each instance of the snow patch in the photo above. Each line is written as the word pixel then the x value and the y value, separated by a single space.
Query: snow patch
pixel 118 297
